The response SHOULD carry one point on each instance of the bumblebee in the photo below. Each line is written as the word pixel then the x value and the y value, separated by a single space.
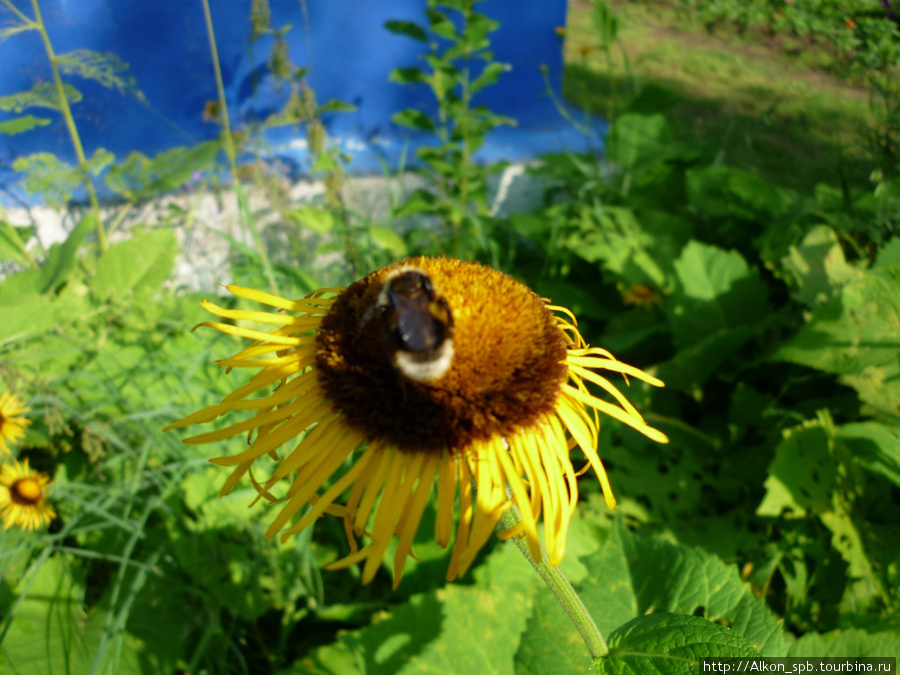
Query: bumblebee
pixel 418 324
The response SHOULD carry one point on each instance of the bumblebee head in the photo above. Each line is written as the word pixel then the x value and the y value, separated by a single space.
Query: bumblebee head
pixel 418 324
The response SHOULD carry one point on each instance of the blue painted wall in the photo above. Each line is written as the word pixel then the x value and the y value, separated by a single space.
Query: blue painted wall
pixel 343 42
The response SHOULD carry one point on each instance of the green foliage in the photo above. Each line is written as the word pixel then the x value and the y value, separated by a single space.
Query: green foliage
pixel 457 193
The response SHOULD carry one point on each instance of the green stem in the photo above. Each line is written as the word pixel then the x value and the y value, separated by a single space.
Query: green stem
pixel 561 588
pixel 243 205
pixel 66 112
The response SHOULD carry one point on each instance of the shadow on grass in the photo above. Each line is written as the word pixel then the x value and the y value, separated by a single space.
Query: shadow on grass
pixel 784 149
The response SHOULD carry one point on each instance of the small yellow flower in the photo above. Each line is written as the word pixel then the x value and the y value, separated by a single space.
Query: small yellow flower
pixel 12 424
pixel 23 497
pixel 430 372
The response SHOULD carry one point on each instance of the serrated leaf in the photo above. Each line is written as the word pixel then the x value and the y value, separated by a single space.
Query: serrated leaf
pixel 141 177
pixel 855 335
pixel 407 28
pixel 41 95
pixel 414 119
pixel 669 643
pixel 103 68
pixel 21 124
pixel 138 264
pixel 850 643
pixel 630 576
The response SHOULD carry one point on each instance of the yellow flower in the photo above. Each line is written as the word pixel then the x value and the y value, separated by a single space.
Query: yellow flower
pixel 12 424
pixel 23 497
pixel 428 371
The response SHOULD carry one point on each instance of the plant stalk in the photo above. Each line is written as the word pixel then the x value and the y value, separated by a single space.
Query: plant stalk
pixel 66 112
pixel 243 205
pixel 562 589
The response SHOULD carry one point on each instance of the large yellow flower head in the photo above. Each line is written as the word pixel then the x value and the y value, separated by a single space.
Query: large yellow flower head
pixel 23 497
pixel 430 371
pixel 12 424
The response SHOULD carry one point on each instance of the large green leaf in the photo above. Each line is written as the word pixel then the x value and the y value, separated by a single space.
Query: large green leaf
pixel 725 191
pixel 634 139
pixel 135 265
pixel 802 475
pixel 851 643
pixel 631 576
pixel 46 634
pixel 717 293
pixel 857 335
pixel 669 643
pixel 458 629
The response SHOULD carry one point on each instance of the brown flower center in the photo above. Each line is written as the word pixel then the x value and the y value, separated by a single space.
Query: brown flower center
pixel 506 366
pixel 26 492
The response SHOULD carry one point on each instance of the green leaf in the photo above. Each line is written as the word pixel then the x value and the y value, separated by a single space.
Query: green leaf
pixel 141 177
pixel 889 255
pixel 24 315
pixel 334 106
pixel 818 266
pixel 717 292
pixel 669 643
pixel 462 628
pixel 408 76
pixel 41 95
pixel 407 28
pixel 634 139
pixel 489 76
pixel 104 69
pixel 855 335
pixel 801 477
pixel 20 124
pixel 606 24
pixel 388 240
pixel 414 119
pixel 55 180
pixel 61 258
pixel 316 219
pixel 135 265
pixel 12 245
pixel 723 191
pixel 631 576
pixel 874 446
pixel 849 643
pixel 46 633
pixel 441 24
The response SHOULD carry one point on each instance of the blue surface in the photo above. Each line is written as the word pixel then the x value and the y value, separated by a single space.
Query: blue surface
pixel 343 42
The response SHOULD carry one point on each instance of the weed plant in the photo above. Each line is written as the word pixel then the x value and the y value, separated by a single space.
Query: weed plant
pixel 768 526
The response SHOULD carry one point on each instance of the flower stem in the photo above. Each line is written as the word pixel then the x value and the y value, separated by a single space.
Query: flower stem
pixel 561 588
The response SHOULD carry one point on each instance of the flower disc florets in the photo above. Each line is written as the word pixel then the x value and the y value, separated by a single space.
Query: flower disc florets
pixel 505 371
